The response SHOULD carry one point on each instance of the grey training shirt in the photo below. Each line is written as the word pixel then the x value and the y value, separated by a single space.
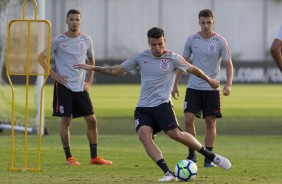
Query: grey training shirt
pixel 157 75
pixel 69 51
pixel 207 55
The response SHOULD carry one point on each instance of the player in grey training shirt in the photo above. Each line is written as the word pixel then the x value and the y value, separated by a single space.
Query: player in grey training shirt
pixel 71 98
pixel 208 49
pixel 154 111
pixel 275 49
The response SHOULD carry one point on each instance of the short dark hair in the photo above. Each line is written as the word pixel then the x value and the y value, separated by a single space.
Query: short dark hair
pixel 155 32
pixel 72 11
pixel 206 13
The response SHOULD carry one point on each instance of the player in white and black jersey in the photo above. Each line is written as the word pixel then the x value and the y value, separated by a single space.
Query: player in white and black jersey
pixel 276 49
pixel 154 111
pixel 207 50
pixel 71 99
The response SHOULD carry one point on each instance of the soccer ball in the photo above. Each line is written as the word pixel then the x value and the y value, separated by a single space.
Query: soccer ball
pixel 186 170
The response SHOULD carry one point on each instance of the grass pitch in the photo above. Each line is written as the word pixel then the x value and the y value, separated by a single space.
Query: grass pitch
pixel 249 134
pixel 255 159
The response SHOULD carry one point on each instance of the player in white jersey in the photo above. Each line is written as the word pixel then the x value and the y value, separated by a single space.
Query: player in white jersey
pixel 275 49
pixel 208 50
pixel 154 111
pixel 71 98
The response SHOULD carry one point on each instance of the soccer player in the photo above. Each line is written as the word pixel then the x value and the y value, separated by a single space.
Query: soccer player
pixel 71 99
pixel 208 49
pixel 275 49
pixel 154 111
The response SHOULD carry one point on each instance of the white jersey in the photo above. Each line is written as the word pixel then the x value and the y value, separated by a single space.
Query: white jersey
pixel 157 75
pixel 279 34
pixel 69 51
pixel 207 55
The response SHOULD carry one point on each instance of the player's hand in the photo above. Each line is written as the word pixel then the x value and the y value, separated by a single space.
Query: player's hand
pixel 86 86
pixel 226 90
pixel 175 93
pixel 60 78
pixel 214 83
pixel 82 66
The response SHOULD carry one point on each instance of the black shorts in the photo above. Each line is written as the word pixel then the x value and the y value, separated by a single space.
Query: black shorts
pixel 159 118
pixel 207 102
pixel 67 103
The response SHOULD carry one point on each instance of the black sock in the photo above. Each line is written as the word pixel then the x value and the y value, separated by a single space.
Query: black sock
pixel 207 153
pixel 192 154
pixel 162 164
pixel 206 158
pixel 67 152
pixel 93 150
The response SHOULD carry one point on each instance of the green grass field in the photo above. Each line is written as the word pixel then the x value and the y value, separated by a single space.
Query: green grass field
pixel 249 133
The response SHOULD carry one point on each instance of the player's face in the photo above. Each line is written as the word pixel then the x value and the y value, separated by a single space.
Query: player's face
pixel 73 22
pixel 206 24
pixel 157 46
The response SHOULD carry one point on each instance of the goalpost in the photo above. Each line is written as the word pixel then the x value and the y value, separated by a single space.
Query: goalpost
pixel 11 9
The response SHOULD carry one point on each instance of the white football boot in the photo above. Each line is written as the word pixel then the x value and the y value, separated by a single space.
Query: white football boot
pixel 168 177
pixel 222 162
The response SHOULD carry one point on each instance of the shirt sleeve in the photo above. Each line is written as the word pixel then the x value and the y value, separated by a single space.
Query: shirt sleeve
pixel 279 34
pixel 187 48
pixel 182 63
pixel 90 50
pixel 225 52
pixel 131 62
pixel 54 45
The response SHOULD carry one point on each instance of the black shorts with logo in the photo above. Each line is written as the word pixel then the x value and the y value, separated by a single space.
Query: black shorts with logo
pixel 205 101
pixel 67 103
pixel 159 118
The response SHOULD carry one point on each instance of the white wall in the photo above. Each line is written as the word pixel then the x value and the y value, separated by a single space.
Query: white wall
pixel 119 27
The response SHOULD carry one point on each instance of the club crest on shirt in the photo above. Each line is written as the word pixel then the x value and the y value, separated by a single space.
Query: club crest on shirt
pixel 81 45
pixel 212 48
pixel 164 64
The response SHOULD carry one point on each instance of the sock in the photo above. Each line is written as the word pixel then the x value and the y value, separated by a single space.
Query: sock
pixel 207 153
pixel 67 152
pixel 93 150
pixel 162 164
pixel 192 153
pixel 207 159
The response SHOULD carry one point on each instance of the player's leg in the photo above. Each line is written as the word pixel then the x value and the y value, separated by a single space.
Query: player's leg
pixel 62 107
pixel 145 136
pixel 168 123
pixel 192 108
pixel 146 127
pixel 190 128
pixel 210 137
pixel 92 135
pixel 65 138
pixel 211 111
pixel 83 107
pixel 190 141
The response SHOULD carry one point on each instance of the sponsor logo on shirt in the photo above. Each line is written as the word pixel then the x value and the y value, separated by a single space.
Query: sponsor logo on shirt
pixel 81 45
pixel 61 37
pixel 164 64
pixel 212 48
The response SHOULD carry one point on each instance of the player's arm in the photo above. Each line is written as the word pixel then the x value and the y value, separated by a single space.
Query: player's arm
pixel 88 81
pixel 107 70
pixel 199 73
pixel 42 60
pixel 175 92
pixel 275 51
pixel 229 75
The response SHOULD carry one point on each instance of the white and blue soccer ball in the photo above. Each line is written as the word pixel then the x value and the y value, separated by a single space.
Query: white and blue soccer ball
pixel 186 170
